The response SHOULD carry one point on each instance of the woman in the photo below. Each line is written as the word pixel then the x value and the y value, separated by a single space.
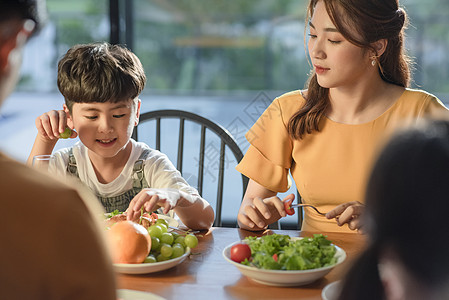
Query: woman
pixel 406 214
pixel 326 136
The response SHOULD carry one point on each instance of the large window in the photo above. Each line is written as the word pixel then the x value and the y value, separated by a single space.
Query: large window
pixel 200 45
pixel 197 46
pixel 70 22
pixel 428 43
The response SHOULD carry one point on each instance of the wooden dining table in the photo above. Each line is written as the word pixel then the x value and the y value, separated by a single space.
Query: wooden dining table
pixel 205 274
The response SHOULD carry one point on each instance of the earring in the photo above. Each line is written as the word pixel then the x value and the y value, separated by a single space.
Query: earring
pixel 374 60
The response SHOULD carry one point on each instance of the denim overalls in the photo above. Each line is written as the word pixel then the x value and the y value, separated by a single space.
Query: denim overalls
pixel 119 202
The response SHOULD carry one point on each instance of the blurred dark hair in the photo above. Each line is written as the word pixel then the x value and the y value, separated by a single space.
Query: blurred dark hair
pixel 100 72
pixel 407 204
pixel 361 23
pixel 24 9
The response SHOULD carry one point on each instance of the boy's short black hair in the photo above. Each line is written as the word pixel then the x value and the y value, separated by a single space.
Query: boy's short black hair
pixel 24 9
pixel 99 72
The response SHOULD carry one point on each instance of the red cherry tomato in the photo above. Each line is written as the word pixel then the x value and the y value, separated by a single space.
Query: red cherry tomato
pixel 288 210
pixel 239 252
pixel 275 257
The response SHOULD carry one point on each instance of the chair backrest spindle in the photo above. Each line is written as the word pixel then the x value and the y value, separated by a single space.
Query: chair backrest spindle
pixel 158 134
pixel 207 126
pixel 201 159
pixel 220 184
pixel 180 144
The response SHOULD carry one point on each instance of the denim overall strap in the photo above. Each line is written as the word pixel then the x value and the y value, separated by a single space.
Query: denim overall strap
pixel 119 202
pixel 138 175
pixel 71 165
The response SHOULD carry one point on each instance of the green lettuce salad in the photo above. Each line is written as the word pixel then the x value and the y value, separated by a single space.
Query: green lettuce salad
pixel 279 252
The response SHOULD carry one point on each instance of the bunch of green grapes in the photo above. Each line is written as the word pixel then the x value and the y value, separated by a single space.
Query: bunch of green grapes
pixel 168 245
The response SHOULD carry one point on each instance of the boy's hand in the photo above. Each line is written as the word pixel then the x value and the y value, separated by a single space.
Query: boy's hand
pixel 151 199
pixel 51 124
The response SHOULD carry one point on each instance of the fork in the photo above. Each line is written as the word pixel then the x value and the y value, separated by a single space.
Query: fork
pixel 183 230
pixel 308 205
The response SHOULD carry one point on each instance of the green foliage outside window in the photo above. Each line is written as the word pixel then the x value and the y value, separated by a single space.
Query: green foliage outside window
pixel 195 46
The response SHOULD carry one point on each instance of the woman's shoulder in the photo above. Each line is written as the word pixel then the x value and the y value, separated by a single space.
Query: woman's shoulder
pixel 418 95
pixel 415 98
pixel 295 98
pixel 290 102
pixel 418 103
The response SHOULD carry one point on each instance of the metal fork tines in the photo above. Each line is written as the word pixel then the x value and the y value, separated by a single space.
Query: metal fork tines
pixel 308 205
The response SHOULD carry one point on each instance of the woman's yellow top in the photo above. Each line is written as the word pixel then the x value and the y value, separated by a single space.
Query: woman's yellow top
pixel 331 166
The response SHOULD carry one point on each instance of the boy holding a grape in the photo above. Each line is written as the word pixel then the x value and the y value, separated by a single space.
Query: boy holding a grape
pixel 101 84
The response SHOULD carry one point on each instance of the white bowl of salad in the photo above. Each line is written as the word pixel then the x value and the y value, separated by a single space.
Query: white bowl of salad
pixel 281 260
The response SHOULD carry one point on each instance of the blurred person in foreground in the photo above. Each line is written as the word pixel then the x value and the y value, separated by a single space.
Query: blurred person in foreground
pixel 51 244
pixel 407 201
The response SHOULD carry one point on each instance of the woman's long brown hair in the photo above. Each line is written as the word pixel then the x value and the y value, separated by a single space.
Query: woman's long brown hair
pixel 373 21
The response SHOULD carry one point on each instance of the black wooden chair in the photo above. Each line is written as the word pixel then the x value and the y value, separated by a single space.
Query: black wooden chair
pixel 226 140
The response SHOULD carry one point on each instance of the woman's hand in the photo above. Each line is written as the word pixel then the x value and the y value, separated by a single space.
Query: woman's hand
pixel 260 207
pixel 348 213
pixel 262 212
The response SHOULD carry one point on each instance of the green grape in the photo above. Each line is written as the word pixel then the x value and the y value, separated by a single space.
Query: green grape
pixel 166 250
pixel 178 250
pixel 66 134
pixel 180 240
pixel 160 257
pixel 155 230
pixel 163 227
pixel 167 238
pixel 191 241
pixel 155 243
pixel 150 259
pixel 175 235
pixel 162 221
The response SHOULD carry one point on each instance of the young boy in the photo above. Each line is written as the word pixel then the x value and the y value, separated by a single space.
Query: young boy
pixel 101 84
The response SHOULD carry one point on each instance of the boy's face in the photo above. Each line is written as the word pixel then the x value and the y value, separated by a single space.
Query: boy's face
pixel 104 128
